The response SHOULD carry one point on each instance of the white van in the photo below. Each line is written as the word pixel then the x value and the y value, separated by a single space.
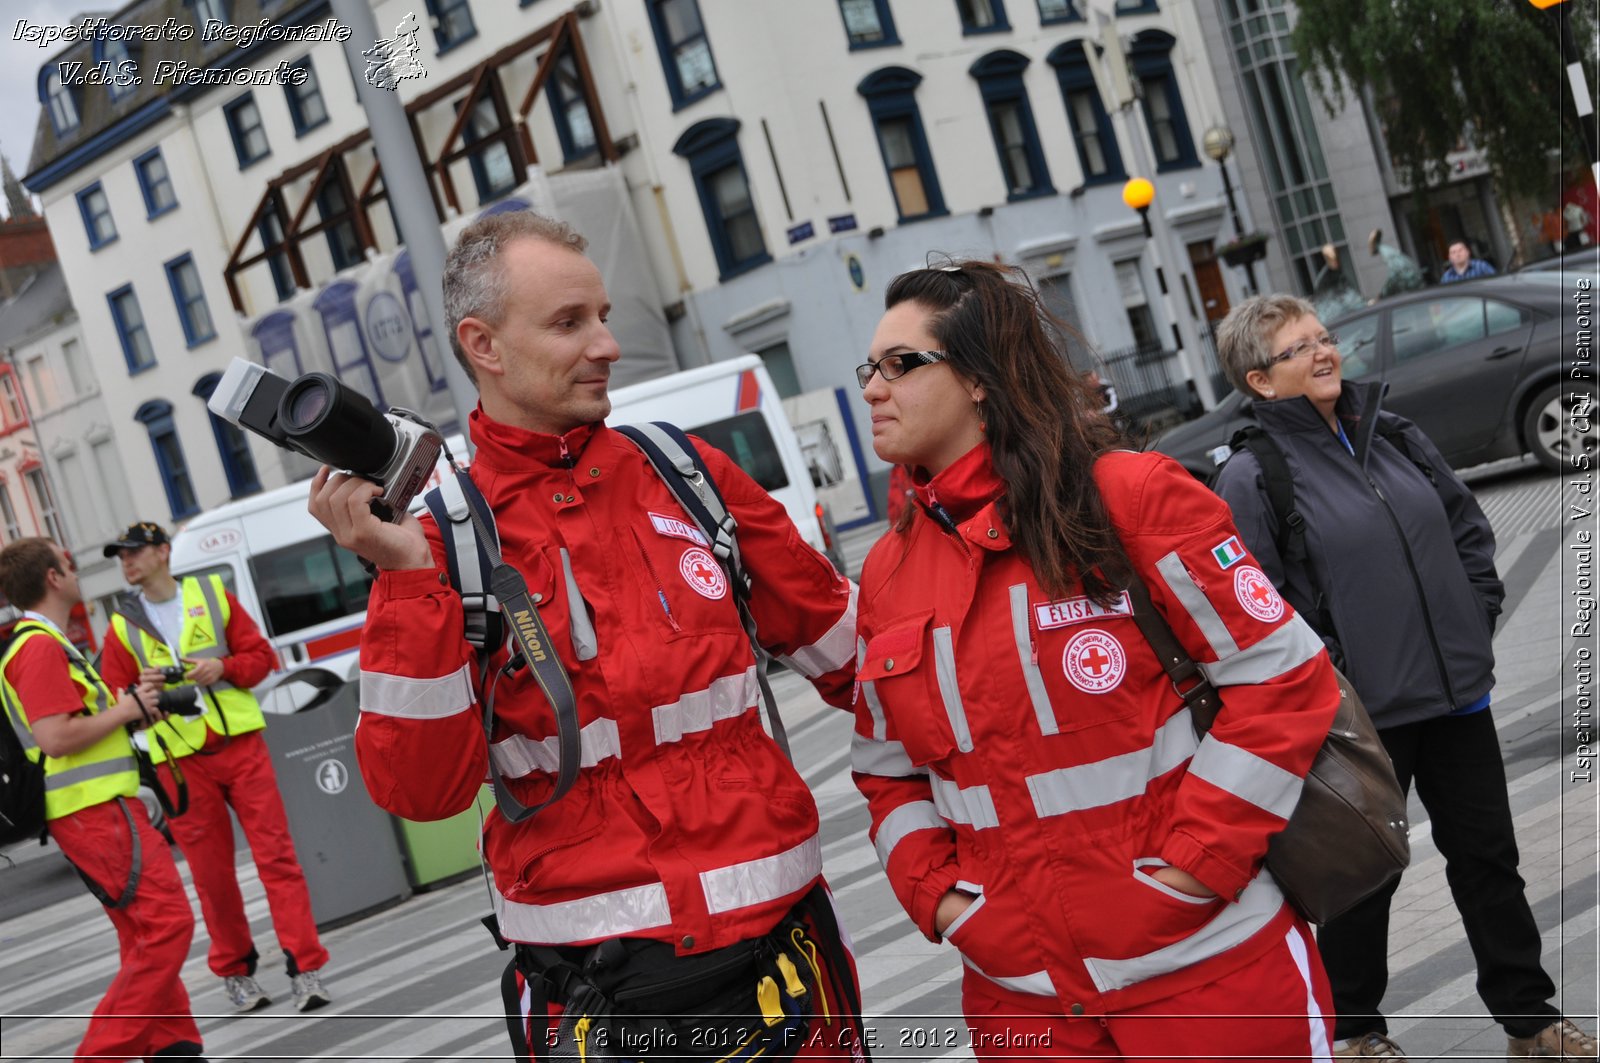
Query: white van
pixel 311 597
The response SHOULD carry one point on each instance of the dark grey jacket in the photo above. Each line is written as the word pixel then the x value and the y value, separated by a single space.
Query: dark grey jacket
pixel 1399 574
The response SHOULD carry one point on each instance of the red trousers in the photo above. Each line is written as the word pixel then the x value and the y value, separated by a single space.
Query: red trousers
pixel 238 772
pixel 1277 1008
pixel 146 1007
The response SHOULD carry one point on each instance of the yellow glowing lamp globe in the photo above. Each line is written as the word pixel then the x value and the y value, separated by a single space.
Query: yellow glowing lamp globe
pixel 1542 4
pixel 1138 193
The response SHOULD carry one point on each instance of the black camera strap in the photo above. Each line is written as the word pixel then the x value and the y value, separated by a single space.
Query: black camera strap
pixel 533 649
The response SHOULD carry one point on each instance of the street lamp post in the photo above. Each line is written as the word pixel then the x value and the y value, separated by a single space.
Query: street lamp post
pixel 1218 143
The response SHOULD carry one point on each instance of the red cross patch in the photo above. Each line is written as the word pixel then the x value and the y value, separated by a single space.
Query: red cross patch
pixel 1094 661
pixel 702 573
pixel 1257 594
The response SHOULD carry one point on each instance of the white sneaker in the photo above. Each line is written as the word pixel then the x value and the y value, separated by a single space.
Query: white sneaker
pixel 308 992
pixel 245 992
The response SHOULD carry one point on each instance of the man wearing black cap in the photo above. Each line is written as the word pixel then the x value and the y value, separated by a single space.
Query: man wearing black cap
pixel 198 625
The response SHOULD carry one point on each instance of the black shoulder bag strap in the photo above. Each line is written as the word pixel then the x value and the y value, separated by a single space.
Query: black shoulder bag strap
pixel 680 467
pixel 533 649
pixel 1188 680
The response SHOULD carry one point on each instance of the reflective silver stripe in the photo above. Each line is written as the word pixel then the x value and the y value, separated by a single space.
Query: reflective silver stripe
pixel 604 915
pixel 519 755
pixel 904 822
pixel 753 882
pixel 1247 776
pixel 1022 626
pixel 21 730
pixel 137 648
pixel 972 806
pixel 871 756
pixel 869 694
pixel 1231 926
pixel 1284 650
pixel 1194 600
pixel 1103 782
pixel 944 656
pixel 968 912
pixel 1037 984
pixel 726 698
pixel 417 699
pixel 832 650
pixel 584 644
pixel 60 780
pixel 219 625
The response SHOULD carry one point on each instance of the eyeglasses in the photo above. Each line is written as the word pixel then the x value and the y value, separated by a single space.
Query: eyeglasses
pixel 1304 348
pixel 895 366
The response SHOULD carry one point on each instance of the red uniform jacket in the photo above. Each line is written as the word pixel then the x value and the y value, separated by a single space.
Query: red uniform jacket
pixel 687 823
pixel 1032 751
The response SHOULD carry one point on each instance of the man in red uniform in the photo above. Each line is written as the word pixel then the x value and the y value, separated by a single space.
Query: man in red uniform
pixel 687 826
pixel 224 759
pixel 62 711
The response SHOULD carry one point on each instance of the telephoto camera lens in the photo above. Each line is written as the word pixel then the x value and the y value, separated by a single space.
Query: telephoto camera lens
pixel 181 701
pixel 337 425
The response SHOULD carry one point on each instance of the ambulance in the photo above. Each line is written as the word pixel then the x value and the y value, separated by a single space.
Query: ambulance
pixel 310 596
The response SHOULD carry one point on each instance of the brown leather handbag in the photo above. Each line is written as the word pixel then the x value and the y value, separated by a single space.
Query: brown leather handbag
pixel 1347 836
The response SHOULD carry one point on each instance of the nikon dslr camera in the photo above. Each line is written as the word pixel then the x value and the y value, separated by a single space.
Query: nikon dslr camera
pixel 180 700
pixel 319 416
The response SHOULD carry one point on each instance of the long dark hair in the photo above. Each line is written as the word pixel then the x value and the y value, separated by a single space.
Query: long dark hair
pixel 1041 418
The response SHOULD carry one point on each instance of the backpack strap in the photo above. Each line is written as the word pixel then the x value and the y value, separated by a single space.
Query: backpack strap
pixel 487 582
pixel 1291 537
pixel 680 467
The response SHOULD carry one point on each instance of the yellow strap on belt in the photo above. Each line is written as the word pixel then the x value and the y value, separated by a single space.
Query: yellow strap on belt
pixel 808 950
pixel 791 976
pixel 771 1003
pixel 580 1034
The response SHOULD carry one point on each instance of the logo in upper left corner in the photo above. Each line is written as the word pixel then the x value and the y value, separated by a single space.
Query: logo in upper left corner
pixel 396 58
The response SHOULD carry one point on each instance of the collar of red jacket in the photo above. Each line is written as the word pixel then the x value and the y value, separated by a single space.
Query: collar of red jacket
pixel 510 449
pixel 968 491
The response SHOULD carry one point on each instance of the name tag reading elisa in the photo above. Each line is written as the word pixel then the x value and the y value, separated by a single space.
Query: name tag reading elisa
pixel 1079 610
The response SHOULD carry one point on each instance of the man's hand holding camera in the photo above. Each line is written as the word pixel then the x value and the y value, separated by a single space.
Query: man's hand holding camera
pixel 340 502
pixel 139 706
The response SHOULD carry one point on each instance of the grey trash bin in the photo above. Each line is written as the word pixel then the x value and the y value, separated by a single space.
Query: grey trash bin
pixel 345 843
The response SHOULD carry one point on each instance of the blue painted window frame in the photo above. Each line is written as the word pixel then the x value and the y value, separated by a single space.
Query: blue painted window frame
pixel 885 26
pixel 231 111
pixel 562 98
pixel 52 90
pixel 156 416
pixel 126 330
pixel 441 11
pixel 217 9
pixel 298 95
pixel 711 147
pixel 681 98
pixel 114 53
pixel 891 97
pixel 1150 57
pixel 999 76
pixel 238 464
pixel 996 7
pixel 487 193
pixel 1074 74
pixel 195 330
pixel 1136 7
pixel 276 336
pixel 278 263
pixel 149 187
pixel 343 258
pixel 91 217
pixel 1074 14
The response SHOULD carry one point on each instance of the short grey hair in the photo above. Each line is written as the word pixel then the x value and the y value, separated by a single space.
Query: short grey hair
pixel 1244 339
pixel 475 283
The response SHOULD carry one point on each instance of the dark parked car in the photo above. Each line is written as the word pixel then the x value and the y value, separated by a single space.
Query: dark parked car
pixel 1478 365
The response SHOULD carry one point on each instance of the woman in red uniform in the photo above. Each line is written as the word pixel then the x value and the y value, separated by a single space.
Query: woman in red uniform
pixel 1038 793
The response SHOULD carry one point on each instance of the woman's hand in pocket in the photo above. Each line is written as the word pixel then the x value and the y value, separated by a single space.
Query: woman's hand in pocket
pixel 1176 878
pixel 951 905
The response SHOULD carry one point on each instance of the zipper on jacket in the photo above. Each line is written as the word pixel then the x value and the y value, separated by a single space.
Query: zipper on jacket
pixel 942 518
pixel 661 594
pixel 1422 599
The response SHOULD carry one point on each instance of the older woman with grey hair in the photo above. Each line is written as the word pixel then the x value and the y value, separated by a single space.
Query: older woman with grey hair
pixel 1385 552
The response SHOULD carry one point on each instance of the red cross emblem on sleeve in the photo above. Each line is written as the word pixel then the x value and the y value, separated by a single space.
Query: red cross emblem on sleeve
pixel 702 573
pixel 1257 594
pixel 1094 661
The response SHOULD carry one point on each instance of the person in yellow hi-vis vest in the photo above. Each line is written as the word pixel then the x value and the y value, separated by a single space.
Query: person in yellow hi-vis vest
pixel 65 715
pixel 199 626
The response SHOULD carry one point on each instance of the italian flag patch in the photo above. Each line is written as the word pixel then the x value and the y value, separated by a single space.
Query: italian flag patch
pixel 1228 552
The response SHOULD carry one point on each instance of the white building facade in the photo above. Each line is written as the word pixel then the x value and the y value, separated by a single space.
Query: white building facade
pixel 775 165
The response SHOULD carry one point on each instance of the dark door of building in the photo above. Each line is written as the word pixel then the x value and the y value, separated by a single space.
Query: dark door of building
pixel 1208 277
